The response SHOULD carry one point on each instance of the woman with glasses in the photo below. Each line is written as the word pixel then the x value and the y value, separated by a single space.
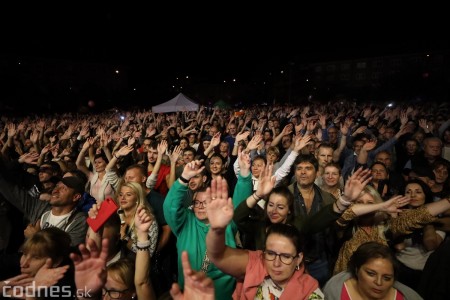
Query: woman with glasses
pixel 277 272
pixel 190 226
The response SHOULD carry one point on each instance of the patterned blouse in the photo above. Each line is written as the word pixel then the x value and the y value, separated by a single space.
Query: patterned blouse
pixel 405 223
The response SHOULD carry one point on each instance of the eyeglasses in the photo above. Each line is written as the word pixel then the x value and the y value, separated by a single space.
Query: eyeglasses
pixel 285 258
pixel 199 204
pixel 114 294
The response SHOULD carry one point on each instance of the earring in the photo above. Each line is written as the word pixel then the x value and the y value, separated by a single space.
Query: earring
pixel 297 267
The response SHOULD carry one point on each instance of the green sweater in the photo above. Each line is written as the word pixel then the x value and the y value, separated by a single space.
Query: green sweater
pixel 191 237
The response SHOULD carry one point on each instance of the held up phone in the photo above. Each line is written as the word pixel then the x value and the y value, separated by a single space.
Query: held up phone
pixel 107 208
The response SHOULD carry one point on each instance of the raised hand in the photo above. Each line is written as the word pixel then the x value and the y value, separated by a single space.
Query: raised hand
pixel 176 153
pixel 215 140
pixel 242 136
pixel 29 158
pixel 253 144
pixel 394 204
pixel 370 145
pixel 266 181
pixel 219 206
pixel 142 220
pixel 90 267
pixel 287 129
pixel 244 162
pixel 356 183
pixel 7 286
pixel 48 276
pixel 162 147
pixel 193 168
pixel 301 142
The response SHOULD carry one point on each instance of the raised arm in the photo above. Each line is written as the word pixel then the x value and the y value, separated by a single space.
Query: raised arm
pixel 90 268
pixel 220 213
pixel 142 282
pixel 151 180
pixel 176 153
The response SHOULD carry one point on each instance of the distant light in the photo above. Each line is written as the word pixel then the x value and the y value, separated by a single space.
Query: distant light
pixel 70 88
pixel 234 80
pixel 117 71
pixel 264 82
pixel 177 78
pixel 173 86
pixel 224 81
pixel 134 89
pixel 19 62
pixel 181 87
pixel 282 71
pixel 428 55
pixel 187 77
pixel 307 79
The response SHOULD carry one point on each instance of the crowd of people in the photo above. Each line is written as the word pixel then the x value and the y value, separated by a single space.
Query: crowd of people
pixel 307 201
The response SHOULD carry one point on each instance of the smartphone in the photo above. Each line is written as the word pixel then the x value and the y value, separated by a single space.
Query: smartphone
pixel 107 208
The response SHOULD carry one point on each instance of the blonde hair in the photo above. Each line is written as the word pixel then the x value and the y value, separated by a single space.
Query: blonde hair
pixel 380 217
pixel 123 270
pixel 140 200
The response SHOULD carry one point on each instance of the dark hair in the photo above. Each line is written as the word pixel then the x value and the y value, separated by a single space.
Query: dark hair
pixel 288 231
pixel 425 188
pixel 141 169
pixel 79 174
pixel 286 193
pixel 101 155
pixel 381 164
pixel 368 251
pixel 219 156
pixel 153 145
pixel 260 157
pixel 336 165
pixel 307 158
pixel 189 148
pixel 56 168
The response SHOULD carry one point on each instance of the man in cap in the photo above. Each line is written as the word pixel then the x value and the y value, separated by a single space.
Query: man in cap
pixel 60 211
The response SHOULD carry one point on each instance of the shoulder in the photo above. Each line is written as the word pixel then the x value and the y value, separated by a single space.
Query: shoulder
pixel 408 292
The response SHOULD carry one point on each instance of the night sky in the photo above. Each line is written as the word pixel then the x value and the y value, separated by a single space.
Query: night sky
pixel 207 46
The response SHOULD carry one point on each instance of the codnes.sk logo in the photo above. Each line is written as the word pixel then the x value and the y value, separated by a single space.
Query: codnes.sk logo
pixel 42 291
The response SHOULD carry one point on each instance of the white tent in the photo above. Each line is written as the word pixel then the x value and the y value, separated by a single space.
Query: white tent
pixel 179 103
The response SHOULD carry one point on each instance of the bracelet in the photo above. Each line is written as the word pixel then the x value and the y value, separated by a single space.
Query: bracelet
pixel 142 248
pixel 256 197
pixel 344 202
pixel 142 244
pixel 337 206
pixel 183 179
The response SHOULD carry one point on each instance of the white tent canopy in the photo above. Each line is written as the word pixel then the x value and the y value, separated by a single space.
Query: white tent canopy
pixel 179 103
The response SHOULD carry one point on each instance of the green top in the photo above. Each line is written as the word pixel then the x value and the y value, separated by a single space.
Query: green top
pixel 191 237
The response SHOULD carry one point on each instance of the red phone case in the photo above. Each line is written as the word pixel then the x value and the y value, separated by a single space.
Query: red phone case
pixel 107 208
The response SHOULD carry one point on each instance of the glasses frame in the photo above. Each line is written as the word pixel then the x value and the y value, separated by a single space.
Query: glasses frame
pixel 281 256
pixel 105 291
pixel 199 204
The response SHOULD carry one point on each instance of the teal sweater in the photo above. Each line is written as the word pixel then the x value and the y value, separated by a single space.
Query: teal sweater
pixel 191 237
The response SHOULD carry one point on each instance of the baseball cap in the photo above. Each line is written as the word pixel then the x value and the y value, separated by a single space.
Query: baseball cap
pixel 74 183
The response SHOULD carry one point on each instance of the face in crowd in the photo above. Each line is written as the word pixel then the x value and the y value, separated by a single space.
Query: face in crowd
pixel 331 176
pixel 281 257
